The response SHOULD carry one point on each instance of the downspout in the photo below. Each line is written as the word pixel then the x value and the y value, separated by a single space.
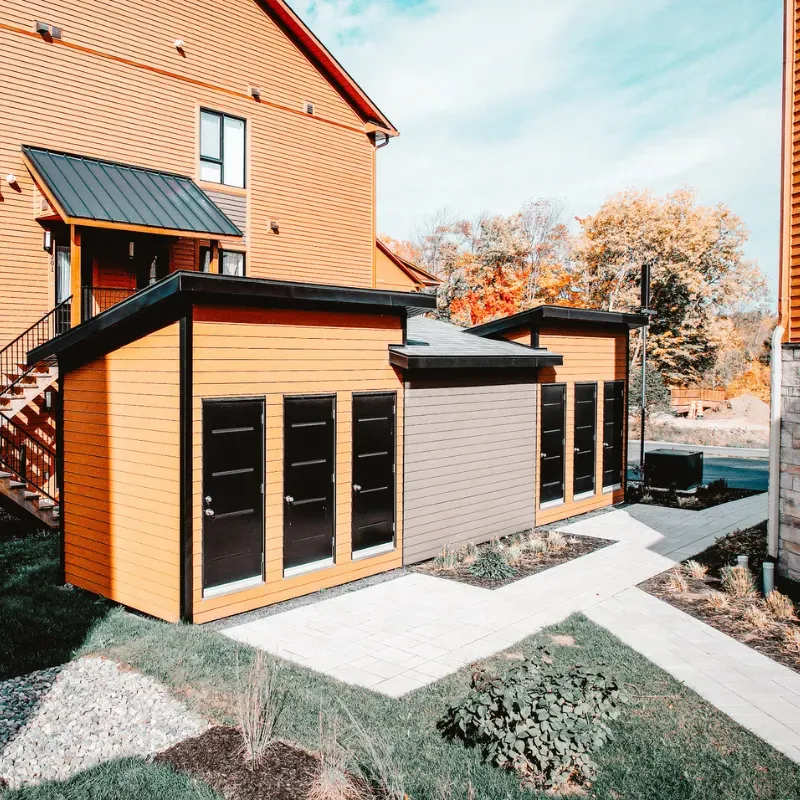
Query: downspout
pixel 773 522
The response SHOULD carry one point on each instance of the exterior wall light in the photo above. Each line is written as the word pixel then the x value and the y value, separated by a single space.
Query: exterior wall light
pixel 178 44
pixel 47 241
pixel 48 400
pixel 130 249
pixel 11 179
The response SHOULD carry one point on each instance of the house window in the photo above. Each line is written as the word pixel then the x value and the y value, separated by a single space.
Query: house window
pixel 222 149
pixel 232 261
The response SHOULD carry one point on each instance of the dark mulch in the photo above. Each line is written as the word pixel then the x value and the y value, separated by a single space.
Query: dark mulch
pixel 731 620
pixel 285 772
pixel 529 564
pixel 704 497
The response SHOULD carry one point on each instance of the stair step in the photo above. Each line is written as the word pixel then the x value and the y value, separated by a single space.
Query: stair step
pixel 31 495
pixel 44 502
pixel 17 484
pixel 5 475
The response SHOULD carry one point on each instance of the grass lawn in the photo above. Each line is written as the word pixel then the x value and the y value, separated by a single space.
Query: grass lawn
pixel 669 744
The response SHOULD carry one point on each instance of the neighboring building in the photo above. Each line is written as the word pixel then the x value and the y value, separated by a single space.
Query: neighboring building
pixel 785 453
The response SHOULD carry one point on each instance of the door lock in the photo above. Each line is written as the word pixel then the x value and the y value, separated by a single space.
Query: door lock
pixel 289 499
pixel 208 498
pixel 209 512
pixel 356 487
pixel 544 455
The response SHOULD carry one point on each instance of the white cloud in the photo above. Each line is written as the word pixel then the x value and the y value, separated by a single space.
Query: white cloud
pixel 501 100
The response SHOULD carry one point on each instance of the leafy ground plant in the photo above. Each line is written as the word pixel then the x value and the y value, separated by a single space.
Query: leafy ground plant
pixel 492 563
pixel 540 720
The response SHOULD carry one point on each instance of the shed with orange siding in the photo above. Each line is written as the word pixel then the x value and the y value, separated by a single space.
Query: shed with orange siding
pixel 582 433
pixel 151 385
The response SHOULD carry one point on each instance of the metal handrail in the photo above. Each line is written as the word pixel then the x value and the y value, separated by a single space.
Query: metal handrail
pixel 28 459
pixel 14 356
pixel 97 299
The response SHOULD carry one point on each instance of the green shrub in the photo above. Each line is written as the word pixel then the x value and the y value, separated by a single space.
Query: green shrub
pixel 537 719
pixel 492 564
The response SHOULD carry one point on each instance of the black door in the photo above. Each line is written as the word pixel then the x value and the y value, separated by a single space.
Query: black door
pixel 613 420
pixel 583 465
pixel 151 263
pixel 233 490
pixel 551 444
pixel 373 469
pixel 308 479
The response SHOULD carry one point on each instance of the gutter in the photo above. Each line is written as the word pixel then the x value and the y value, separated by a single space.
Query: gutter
pixel 774 497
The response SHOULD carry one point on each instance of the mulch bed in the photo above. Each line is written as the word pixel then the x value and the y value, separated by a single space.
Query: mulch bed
pixel 698 501
pixel 285 772
pixel 529 564
pixel 730 620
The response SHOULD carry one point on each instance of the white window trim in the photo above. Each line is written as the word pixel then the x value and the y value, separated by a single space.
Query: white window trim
pixel 377 550
pixel 552 503
pixel 312 566
pixel 234 586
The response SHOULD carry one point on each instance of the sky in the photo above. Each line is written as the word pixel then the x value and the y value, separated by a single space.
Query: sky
pixel 502 101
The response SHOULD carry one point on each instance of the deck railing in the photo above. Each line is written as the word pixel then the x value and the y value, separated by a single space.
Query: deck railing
pixel 14 356
pixel 28 459
pixel 97 299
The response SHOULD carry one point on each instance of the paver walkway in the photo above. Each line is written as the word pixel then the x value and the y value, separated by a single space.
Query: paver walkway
pixel 403 634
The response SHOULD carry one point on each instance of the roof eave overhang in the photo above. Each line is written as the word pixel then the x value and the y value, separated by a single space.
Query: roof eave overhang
pixel 169 299
pixel 541 314
pixel 414 362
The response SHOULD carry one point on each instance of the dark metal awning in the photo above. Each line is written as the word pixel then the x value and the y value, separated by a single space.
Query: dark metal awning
pixel 89 191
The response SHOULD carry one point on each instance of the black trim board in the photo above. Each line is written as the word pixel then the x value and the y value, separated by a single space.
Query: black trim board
pixel 186 465
pixel 166 301
pixel 534 317
pixel 522 361
pixel 62 552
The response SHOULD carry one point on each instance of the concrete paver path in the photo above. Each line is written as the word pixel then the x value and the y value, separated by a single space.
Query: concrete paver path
pixel 403 634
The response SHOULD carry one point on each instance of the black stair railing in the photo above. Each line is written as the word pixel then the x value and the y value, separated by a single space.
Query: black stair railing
pixel 97 299
pixel 14 356
pixel 28 459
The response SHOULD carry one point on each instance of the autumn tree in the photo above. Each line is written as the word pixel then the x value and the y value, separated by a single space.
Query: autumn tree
pixel 698 273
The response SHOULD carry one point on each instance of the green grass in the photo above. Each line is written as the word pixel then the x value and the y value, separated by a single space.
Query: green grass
pixel 668 745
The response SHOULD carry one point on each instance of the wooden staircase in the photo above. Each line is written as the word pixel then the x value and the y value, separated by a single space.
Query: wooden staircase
pixel 28 459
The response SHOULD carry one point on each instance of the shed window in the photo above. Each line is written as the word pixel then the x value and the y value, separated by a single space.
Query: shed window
pixel 222 147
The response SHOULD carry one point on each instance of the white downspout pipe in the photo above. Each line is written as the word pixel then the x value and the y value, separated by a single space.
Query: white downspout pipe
pixel 773 522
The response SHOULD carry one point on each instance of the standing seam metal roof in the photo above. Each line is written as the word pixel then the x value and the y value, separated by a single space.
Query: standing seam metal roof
pixel 90 188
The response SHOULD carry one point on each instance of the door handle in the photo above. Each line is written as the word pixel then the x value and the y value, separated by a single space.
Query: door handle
pixel 606 445
pixel 209 512
pixel 289 499
pixel 576 449
pixel 544 455
pixel 356 487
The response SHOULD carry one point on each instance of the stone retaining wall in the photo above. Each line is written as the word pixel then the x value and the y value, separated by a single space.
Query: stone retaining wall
pixel 789 541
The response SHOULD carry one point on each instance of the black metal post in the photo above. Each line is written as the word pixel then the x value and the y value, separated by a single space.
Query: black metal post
pixel 645 302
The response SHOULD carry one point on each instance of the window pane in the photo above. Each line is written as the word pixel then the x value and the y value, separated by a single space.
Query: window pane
pixel 210 172
pixel 234 152
pixel 63 285
pixel 232 263
pixel 209 135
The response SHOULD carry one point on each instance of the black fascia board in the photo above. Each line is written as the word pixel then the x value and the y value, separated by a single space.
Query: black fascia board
pixel 419 362
pixel 535 316
pixel 167 300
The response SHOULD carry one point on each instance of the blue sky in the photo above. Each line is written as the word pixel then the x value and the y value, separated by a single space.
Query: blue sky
pixel 499 101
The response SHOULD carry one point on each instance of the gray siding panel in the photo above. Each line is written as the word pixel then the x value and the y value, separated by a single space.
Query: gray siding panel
pixel 235 208
pixel 470 461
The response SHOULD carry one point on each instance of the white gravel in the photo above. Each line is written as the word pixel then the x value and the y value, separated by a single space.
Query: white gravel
pixel 57 722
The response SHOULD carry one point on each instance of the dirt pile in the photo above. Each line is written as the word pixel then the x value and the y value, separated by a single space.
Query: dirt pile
pixel 749 407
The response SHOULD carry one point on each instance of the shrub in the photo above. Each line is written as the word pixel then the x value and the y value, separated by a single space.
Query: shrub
pixel 542 721
pixel 556 541
pixel 514 552
pixel 780 606
pixel 792 638
pixel 713 491
pixel 717 600
pixel 695 569
pixel 757 617
pixel 536 545
pixel 492 564
pixel 676 582
pixel 332 780
pixel 738 582
pixel 257 705
pixel 447 559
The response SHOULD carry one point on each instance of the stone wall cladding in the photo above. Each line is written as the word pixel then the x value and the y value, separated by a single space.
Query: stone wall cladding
pixel 789 540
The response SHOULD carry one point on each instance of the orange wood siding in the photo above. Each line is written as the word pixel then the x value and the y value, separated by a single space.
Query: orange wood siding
pixel 121 475
pixel 589 357
pixel 790 250
pixel 115 87
pixel 389 276
pixel 254 353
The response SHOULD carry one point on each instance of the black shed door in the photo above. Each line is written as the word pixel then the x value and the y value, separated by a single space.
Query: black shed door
pixel 613 421
pixel 585 436
pixel 551 445
pixel 308 479
pixel 373 469
pixel 233 499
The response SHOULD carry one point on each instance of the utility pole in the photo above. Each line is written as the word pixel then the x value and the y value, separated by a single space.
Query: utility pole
pixel 645 309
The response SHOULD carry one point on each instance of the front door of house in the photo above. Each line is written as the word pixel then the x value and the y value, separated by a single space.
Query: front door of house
pixel 551 443
pixel 613 420
pixel 233 491
pixel 63 257
pixel 309 438
pixel 373 470
pixel 583 464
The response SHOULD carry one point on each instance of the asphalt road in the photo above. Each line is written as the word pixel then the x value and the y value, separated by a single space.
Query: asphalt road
pixel 751 472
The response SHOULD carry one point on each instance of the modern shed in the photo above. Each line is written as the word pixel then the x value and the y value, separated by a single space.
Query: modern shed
pixel 582 431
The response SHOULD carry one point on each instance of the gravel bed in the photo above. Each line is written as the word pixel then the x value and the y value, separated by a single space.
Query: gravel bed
pixel 57 722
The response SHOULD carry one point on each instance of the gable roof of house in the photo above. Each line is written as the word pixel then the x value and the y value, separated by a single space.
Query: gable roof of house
pixel 534 317
pixel 433 344
pixel 110 194
pixel 291 23
pixel 420 276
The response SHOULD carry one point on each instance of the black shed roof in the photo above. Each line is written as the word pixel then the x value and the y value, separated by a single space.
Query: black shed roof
pixel 88 190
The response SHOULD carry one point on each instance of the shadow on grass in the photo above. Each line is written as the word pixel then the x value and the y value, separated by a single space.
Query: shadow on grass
pixel 42 623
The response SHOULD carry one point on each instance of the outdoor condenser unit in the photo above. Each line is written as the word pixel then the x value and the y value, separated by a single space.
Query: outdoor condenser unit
pixel 673 469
